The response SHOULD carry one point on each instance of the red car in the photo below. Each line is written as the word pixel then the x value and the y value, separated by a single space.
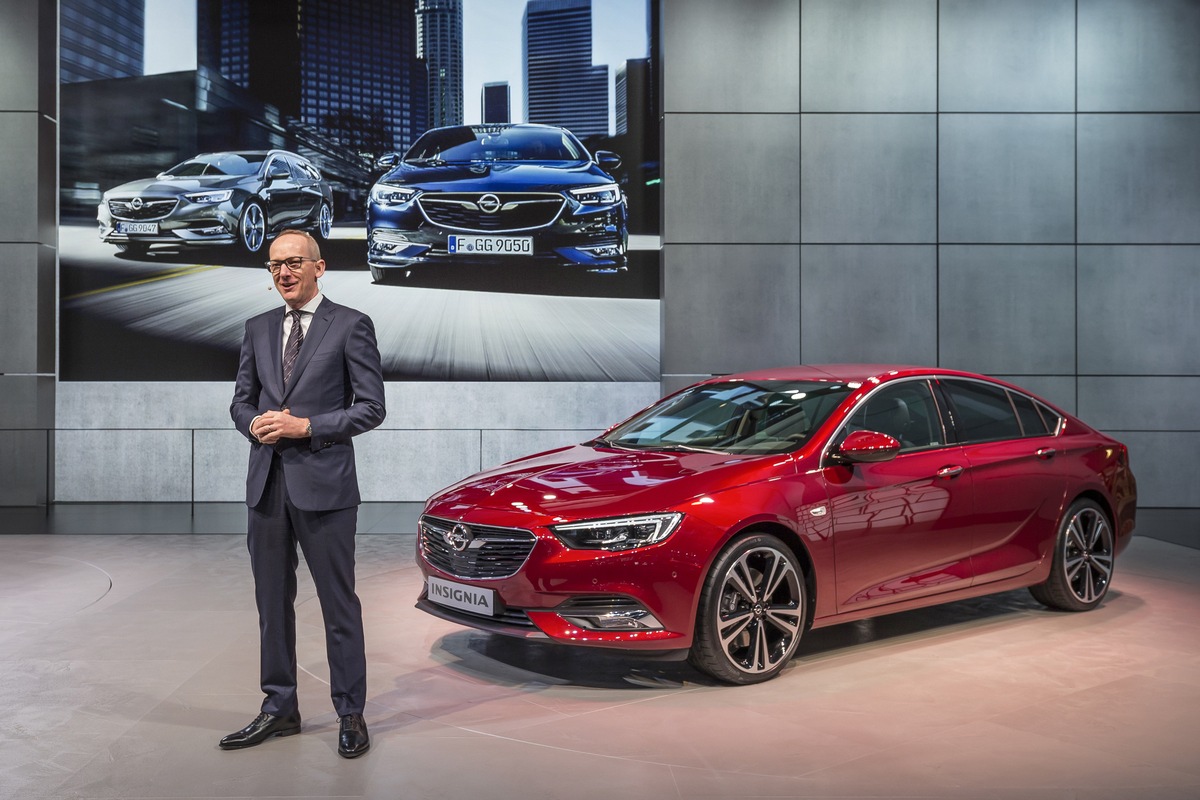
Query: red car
pixel 728 518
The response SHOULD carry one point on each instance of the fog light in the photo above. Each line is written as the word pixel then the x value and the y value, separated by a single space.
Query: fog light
pixel 634 620
pixel 388 238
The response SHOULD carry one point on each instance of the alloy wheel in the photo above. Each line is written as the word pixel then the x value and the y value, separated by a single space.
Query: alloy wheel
pixel 761 611
pixel 325 221
pixel 253 228
pixel 1088 555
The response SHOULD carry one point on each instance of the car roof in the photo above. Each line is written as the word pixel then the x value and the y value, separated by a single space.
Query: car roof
pixel 500 126
pixel 249 153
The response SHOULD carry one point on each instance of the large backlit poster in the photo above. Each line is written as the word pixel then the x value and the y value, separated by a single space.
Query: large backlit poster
pixel 482 176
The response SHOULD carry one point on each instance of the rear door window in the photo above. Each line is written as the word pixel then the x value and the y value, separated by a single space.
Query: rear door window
pixel 982 412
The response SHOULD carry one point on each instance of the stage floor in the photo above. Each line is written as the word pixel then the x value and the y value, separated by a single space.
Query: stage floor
pixel 123 659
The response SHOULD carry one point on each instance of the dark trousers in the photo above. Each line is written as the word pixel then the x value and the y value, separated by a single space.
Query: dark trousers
pixel 275 526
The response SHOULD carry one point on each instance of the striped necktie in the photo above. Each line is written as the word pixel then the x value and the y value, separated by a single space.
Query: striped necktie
pixel 292 350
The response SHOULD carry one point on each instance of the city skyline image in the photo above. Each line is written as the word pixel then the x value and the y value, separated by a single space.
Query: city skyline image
pixel 492 34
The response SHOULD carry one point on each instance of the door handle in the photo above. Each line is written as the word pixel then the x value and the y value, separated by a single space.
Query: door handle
pixel 1046 453
pixel 949 472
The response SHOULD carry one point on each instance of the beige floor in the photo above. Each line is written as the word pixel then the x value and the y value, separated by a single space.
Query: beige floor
pixel 123 659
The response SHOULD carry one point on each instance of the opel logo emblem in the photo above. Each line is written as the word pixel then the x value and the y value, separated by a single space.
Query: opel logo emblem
pixel 136 203
pixel 489 204
pixel 459 537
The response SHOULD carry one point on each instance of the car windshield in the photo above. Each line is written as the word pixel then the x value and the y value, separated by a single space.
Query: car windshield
pixel 218 164
pixel 495 143
pixel 736 417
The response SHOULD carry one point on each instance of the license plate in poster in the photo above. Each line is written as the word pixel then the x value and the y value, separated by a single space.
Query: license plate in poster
pixel 490 245
pixel 137 227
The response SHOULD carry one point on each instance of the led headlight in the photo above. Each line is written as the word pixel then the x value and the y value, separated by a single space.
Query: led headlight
pixel 598 195
pixel 384 194
pixel 209 198
pixel 622 533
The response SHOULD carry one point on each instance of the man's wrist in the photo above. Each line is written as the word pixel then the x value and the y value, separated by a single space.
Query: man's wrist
pixel 308 428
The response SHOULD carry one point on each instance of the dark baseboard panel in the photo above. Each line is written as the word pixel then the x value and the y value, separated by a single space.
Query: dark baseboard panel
pixel 179 518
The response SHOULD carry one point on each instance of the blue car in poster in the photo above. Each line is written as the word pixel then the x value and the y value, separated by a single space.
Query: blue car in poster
pixel 497 194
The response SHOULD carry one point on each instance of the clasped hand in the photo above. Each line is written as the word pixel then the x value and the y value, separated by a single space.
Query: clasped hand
pixel 272 426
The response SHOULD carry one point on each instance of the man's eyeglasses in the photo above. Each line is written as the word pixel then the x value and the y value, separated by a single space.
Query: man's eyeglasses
pixel 293 264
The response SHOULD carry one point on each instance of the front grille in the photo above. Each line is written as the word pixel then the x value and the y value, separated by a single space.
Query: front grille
pixel 492 553
pixel 151 209
pixel 518 211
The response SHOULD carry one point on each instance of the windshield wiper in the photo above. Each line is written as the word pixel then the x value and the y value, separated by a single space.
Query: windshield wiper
pixel 686 448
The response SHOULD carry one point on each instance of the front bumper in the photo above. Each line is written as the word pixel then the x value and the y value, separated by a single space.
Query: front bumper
pixel 641 600
pixel 188 225
pixel 400 237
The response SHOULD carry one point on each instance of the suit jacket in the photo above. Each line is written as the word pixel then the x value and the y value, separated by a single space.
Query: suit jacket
pixel 337 382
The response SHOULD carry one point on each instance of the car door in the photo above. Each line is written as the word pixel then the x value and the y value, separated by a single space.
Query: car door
pixel 1017 473
pixel 284 197
pixel 902 527
pixel 308 183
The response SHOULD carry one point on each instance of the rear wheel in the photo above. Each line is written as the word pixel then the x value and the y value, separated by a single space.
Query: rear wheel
pixel 1083 560
pixel 324 222
pixel 752 611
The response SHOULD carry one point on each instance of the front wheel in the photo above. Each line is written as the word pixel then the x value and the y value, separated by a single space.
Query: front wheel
pixel 252 228
pixel 752 612
pixel 1083 560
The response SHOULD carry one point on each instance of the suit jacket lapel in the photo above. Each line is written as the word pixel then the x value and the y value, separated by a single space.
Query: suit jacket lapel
pixel 312 340
pixel 275 348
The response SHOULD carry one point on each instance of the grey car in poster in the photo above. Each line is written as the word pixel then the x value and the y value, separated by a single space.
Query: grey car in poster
pixel 231 198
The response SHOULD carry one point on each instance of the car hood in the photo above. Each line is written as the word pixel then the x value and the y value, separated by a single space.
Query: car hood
pixel 498 176
pixel 581 481
pixel 173 186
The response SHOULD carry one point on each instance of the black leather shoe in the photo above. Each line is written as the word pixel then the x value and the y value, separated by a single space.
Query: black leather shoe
pixel 353 740
pixel 262 728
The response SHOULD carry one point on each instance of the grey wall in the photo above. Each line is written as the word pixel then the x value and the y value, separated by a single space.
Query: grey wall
pixel 1009 186
pixel 28 303
pixel 1006 186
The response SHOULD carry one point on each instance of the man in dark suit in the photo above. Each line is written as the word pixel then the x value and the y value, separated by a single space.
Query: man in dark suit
pixel 303 389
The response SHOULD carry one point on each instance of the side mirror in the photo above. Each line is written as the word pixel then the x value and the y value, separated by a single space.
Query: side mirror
pixel 607 160
pixel 387 162
pixel 279 174
pixel 868 447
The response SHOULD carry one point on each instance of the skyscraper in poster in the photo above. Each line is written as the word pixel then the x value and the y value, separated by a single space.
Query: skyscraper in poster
pixel 439 45
pixel 101 39
pixel 562 86
pixel 348 70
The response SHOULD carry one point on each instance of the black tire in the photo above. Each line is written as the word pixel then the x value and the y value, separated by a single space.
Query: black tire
pixel 1081 571
pixel 252 228
pixel 753 610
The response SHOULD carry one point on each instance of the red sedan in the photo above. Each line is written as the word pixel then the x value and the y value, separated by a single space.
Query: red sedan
pixel 730 517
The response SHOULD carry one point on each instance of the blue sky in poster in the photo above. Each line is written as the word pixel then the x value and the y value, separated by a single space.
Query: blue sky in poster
pixel 491 42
